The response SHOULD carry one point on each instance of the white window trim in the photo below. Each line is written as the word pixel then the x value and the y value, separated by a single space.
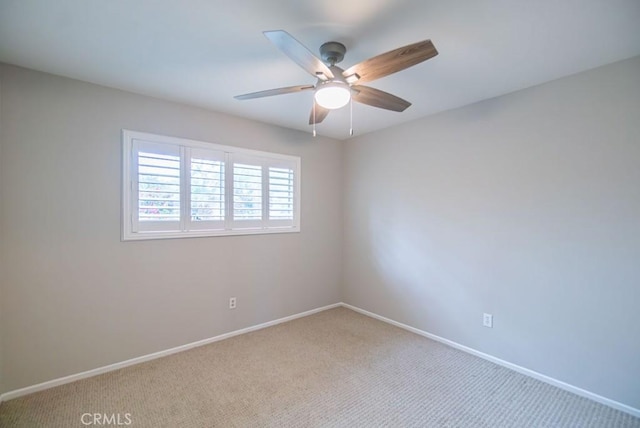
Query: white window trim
pixel 129 214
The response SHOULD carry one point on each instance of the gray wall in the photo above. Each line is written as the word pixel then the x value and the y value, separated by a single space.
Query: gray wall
pixel 2 321
pixel 74 297
pixel 526 206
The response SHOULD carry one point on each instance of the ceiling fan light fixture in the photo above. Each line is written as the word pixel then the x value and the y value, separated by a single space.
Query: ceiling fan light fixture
pixel 333 95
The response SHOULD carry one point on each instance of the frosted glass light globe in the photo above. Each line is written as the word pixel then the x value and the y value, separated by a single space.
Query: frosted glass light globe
pixel 333 95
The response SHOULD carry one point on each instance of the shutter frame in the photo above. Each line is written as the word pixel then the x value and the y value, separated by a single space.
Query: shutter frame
pixel 211 183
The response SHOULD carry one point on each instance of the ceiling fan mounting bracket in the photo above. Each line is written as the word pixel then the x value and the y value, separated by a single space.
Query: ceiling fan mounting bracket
pixel 332 52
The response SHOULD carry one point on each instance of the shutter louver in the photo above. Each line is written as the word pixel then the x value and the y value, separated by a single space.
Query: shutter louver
pixel 157 186
pixel 207 197
pixel 247 192
pixel 281 192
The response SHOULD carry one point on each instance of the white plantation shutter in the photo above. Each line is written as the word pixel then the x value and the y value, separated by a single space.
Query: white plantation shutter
pixel 207 189
pixel 248 192
pixel 157 186
pixel 182 188
pixel 281 195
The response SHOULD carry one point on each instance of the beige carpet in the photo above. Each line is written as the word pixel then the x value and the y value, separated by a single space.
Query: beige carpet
pixel 333 369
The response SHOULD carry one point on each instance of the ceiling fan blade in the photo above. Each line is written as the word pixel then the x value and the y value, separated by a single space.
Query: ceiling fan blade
pixel 377 98
pixel 321 113
pixel 392 61
pixel 278 91
pixel 299 54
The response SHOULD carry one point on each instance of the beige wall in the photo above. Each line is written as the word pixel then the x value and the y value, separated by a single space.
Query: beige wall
pixel 526 206
pixel 74 297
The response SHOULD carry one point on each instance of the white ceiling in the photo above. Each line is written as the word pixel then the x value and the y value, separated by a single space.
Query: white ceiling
pixel 203 52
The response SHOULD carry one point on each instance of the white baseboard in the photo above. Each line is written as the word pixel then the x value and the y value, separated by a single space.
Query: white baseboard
pixel 539 376
pixel 111 367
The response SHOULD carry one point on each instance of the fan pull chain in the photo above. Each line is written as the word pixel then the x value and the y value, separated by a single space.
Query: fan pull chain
pixel 314 118
pixel 351 116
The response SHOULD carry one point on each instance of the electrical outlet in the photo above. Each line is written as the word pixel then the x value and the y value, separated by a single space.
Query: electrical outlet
pixel 487 320
pixel 232 303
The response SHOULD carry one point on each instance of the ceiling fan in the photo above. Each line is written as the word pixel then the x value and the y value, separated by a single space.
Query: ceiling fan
pixel 335 87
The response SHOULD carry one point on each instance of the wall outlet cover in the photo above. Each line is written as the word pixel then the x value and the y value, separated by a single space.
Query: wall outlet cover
pixel 487 320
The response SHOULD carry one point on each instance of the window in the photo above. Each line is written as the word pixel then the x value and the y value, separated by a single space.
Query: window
pixel 174 188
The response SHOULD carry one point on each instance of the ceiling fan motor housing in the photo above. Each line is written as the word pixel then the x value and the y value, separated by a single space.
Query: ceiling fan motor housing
pixel 332 52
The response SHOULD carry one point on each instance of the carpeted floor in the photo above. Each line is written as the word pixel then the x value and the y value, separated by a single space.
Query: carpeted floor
pixel 333 369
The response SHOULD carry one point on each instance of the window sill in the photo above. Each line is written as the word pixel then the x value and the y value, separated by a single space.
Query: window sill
pixel 144 236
